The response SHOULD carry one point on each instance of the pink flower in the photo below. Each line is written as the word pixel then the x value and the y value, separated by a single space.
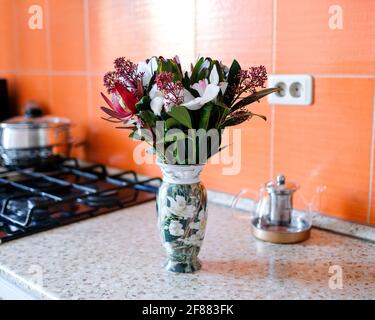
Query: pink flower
pixel 172 90
pixel 207 91
pixel 251 79
pixel 122 104
pixel 126 73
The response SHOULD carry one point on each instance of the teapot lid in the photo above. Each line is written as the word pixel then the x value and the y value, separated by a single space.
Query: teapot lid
pixel 280 186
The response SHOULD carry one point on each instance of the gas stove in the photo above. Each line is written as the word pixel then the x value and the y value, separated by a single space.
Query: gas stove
pixel 38 199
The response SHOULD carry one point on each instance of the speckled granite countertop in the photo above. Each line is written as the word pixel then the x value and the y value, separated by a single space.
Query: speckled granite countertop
pixel 119 256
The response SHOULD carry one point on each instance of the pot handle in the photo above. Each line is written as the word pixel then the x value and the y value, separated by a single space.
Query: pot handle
pixel 32 110
pixel 73 143
pixel 77 143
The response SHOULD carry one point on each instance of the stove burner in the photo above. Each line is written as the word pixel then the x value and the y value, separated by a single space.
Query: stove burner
pixel 27 210
pixel 106 199
pixel 33 200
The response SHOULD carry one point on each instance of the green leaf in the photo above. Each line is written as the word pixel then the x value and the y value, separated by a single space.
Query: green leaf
pixel 174 135
pixel 151 83
pixel 177 63
pixel 143 135
pixel 191 146
pixel 219 70
pixel 186 81
pixel 175 150
pixel 196 69
pixel 233 73
pixel 239 117
pixel 234 121
pixel 171 123
pixel 220 149
pixel 254 97
pixel 224 113
pixel 219 113
pixel 232 82
pixel 203 74
pixel 148 117
pixel 143 104
pixel 205 116
pixel 175 70
pixel 181 114
pixel 165 66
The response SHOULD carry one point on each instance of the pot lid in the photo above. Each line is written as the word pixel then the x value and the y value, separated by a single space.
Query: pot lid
pixel 281 186
pixel 33 118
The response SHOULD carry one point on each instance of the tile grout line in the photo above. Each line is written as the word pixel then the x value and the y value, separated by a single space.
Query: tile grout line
pixel 15 35
pixel 372 149
pixel 272 129
pixel 344 76
pixel 272 142
pixel 99 73
pixel 195 31
pixel 47 73
pixel 48 49
pixel 86 26
pixel 274 25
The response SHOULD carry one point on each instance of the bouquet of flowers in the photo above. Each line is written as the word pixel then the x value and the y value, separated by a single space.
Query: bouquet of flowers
pixel 171 109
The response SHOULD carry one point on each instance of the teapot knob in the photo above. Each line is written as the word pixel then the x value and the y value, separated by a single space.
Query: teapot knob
pixel 280 179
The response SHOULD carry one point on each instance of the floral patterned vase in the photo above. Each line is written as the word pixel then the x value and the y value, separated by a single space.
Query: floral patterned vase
pixel 182 214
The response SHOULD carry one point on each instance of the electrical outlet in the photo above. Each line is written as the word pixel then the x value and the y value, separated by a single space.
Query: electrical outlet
pixel 295 89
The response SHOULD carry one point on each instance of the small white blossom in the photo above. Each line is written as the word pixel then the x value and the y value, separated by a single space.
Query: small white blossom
pixel 193 240
pixel 176 228
pixel 179 207
pixel 194 225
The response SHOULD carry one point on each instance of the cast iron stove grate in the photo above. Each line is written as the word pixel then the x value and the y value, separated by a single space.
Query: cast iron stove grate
pixel 33 200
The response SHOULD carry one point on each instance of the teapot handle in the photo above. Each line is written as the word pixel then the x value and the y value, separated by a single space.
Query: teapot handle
pixel 252 203
pixel 314 204
pixel 237 197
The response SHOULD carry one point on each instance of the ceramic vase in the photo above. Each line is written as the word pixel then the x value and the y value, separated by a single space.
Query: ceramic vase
pixel 182 215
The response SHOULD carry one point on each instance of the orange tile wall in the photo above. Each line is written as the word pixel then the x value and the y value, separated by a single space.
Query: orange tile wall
pixel 330 142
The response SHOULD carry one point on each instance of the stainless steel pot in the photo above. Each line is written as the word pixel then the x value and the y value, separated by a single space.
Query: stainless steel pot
pixel 34 139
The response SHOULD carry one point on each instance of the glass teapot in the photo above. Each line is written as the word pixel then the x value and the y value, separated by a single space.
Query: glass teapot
pixel 274 219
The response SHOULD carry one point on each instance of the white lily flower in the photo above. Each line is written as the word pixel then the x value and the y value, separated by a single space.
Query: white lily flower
pixel 177 59
pixel 214 79
pixel 214 76
pixel 157 100
pixel 157 105
pixel 188 96
pixel 200 86
pixel 147 69
pixel 207 92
